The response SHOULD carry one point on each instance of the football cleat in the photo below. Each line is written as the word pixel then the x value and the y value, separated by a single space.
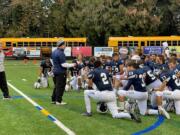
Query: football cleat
pixel 86 114
pixel 7 98
pixel 169 106
pixel 163 112
pixel 62 103
pixel 135 117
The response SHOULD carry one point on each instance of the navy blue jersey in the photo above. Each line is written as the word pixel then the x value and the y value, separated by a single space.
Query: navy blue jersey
pixel 178 60
pixel 177 68
pixel 86 62
pixel 115 66
pixel 136 79
pixel 150 77
pixel 46 67
pixel 91 66
pixel 172 81
pixel 75 71
pixel 101 79
pixel 150 64
pixel 159 68
pixel 107 66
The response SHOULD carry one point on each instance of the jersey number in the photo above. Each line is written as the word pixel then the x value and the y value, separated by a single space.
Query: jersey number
pixel 151 75
pixel 104 78
pixel 142 77
pixel 176 80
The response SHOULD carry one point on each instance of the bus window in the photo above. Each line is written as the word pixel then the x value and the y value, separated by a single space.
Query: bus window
pixel 54 44
pixel 169 43
pixel 125 43
pixel 32 44
pixel 135 43
pixel 152 43
pixel 174 43
pixel 8 44
pixel 81 44
pixel 69 44
pixel 76 44
pixel 142 43
pixel 25 44
pixel 148 43
pixel 43 44
pixel 131 43
pixel 14 44
pixel 162 42
pixel 158 43
pixel 120 43
pixel 38 44
pixel 49 44
pixel 179 42
pixel 20 44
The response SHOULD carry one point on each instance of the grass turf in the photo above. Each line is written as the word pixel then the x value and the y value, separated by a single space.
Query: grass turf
pixel 19 117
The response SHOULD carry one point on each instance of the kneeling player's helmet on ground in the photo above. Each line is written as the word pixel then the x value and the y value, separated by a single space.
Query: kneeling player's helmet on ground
pixel 37 85
pixel 102 107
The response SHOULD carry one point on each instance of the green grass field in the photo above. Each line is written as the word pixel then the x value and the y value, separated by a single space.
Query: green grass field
pixel 19 117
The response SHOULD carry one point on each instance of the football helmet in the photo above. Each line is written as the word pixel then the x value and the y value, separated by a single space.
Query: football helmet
pixel 37 85
pixel 102 107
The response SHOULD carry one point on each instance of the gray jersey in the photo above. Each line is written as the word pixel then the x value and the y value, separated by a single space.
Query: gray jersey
pixel 1 61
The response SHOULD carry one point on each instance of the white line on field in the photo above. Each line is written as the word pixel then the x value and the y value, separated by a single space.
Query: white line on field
pixel 56 121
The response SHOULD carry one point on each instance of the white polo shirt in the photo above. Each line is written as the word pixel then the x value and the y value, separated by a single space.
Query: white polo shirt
pixel 1 61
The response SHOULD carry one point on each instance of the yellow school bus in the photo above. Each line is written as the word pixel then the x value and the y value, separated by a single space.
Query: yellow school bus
pixel 44 43
pixel 140 42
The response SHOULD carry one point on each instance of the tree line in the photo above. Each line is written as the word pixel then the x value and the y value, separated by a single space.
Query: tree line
pixel 95 19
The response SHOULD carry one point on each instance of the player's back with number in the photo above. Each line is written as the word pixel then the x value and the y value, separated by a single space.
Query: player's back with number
pixel 136 78
pixel 101 79
pixel 172 80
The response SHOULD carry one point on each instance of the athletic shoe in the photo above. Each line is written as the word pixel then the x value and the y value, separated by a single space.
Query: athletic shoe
pixel 163 112
pixel 86 114
pixel 62 103
pixel 135 117
pixel 7 98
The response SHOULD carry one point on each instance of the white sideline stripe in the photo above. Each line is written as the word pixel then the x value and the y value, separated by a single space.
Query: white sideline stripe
pixel 57 122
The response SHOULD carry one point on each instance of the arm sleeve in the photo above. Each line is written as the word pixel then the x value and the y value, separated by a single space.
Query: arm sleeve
pixel 131 75
pixel 91 75
pixel 128 85
pixel 62 58
pixel 67 65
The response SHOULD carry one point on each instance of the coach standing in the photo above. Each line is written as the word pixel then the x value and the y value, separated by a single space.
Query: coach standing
pixel 60 73
pixel 3 83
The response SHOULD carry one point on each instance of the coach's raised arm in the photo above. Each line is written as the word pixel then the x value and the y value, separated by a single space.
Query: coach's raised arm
pixel 59 69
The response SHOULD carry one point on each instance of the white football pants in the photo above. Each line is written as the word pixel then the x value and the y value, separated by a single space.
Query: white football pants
pixel 109 97
pixel 141 98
